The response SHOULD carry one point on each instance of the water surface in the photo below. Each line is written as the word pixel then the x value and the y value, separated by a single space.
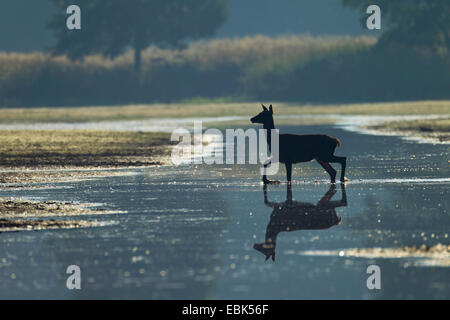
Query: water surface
pixel 189 232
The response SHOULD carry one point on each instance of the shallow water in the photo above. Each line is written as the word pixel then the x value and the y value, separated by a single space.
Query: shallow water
pixel 356 123
pixel 189 231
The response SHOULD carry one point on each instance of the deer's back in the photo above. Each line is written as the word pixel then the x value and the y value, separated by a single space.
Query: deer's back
pixel 301 148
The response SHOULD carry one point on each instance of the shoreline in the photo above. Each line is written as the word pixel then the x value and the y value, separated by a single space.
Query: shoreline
pixel 180 111
pixel 431 128
pixel 40 159
pixel 46 156
pixel 27 178
pixel 17 214
pixel 436 130
pixel 436 137
pixel 40 156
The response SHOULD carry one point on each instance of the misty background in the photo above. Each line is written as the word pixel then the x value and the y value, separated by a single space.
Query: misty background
pixel 315 51
pixel 23 23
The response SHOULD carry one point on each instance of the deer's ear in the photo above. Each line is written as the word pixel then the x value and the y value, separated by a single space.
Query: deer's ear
pixel 264 107
pixel 270 109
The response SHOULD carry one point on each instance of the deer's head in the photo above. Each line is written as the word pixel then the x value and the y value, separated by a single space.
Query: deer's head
pixel 264 117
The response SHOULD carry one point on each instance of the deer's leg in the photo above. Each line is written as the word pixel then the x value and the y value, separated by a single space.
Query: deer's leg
pixel 327 197
pixel 344 195
pixel 289 193
pixel 288 172
pixel 328 168
pixel 265 180
pixel 343 162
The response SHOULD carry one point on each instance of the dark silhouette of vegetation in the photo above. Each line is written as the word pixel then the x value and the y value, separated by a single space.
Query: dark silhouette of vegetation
pixel 298 69
pixel 97 64
pixel 414 23
pixel 111 26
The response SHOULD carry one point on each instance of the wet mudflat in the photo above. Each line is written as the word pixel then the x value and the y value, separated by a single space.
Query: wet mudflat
pixel 189 232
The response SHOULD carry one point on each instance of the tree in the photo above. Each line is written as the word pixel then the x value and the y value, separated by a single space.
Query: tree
pixel 416 23
pixel 111 26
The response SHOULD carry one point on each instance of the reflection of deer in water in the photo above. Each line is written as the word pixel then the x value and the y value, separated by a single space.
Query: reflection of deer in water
pixel 293 215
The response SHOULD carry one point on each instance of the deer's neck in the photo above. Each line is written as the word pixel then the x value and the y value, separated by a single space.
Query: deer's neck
pixel 269 126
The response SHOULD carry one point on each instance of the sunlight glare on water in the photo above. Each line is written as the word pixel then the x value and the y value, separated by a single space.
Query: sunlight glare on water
pixel 197 232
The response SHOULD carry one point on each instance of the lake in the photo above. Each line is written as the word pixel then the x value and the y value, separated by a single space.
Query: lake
pixel 189 232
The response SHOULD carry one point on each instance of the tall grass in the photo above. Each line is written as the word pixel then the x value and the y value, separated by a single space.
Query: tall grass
pixel 283 68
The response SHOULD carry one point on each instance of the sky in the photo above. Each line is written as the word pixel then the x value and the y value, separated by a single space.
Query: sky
pixel 23 23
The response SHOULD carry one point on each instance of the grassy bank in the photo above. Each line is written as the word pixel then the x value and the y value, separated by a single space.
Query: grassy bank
pixel 289 68
pixel 435 128
pixel 205 68
pixel 22 215
pixel 38 149
pixel 137 112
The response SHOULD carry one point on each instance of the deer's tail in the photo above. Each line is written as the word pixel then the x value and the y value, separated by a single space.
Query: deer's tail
pixel 338 143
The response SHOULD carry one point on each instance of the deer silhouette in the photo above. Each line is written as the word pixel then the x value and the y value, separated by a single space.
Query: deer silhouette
pixel 293 215
pixel 295 148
